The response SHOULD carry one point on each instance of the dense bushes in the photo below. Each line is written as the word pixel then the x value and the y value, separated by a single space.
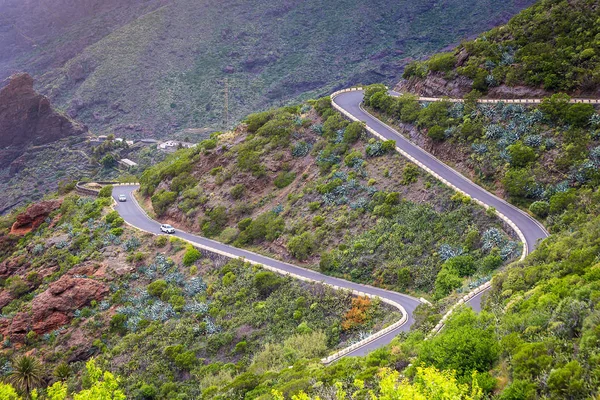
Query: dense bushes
pixel 284 179
pixel 302 246
pixel 266 282
pixel 268 226
pixel 215 221
pixel 191 255
pixel 161 201
pixel 106 191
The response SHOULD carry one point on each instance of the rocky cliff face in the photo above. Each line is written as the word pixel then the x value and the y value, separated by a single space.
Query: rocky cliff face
pixel 33 217
pixel 27 118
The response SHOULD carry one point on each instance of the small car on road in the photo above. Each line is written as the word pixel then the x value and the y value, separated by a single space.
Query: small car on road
pixel 122 197
pixel 166 228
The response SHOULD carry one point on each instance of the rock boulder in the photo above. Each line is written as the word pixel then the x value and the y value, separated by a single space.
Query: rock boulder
pixel 34 216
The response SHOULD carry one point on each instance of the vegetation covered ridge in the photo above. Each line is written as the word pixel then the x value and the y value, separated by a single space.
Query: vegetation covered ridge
pixel 154 311
pixel 551 46
pixel 326 197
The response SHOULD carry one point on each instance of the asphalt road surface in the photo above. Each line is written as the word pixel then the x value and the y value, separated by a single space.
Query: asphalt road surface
pixel 531 229
pixel 131 212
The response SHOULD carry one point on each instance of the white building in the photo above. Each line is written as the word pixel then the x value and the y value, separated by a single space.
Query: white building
pixel 127 163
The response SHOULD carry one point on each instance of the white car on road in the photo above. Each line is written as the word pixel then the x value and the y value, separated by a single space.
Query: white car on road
pixel 122 197
pixel 166 228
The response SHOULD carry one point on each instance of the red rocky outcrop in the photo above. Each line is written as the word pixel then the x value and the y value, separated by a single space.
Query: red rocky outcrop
pixel 27 118
pixel 54 307
pixel 34 216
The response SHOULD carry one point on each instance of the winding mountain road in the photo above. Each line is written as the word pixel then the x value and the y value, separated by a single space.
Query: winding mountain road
pixel 529 230
pixel 349 103
pixel 133 214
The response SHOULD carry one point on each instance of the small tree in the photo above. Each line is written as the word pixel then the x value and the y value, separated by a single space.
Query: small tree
pixel 27 373
pixel 436 133
pixel 109 161
pixel 540 208
pixel 353 132
pixel 106 191
pixel 302 246
pixel 520 155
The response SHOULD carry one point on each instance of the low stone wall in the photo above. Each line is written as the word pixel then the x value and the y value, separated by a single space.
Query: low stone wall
pixel 81 189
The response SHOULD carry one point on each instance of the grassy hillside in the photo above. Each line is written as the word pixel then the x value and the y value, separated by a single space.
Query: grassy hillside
pixel 551 46
pixel 157 311
pixel 543 158
pixel 161 65
pixel 304 185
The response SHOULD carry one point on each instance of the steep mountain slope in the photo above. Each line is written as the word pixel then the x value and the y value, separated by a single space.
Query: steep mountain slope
pixel 36 144
pixel 154 309
pixel 27 118
pixel 306 186
pixel 163 68
pixel 551 46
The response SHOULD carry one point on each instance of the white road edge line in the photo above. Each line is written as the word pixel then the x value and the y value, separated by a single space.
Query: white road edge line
pixel 478 290
pixel 333 357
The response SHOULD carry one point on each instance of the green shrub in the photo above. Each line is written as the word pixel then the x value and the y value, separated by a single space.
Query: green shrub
pixel 228 235
pixel 561 201
pixel 446 281
pixel 256 121
pixel 314 205
pixel 464 265
pixel 240 347
pixel 266 282
pixel 392 198
pixel 410 174
pixel 157 288
pixel 106 191
pixel 328 262
pixel 415 69
pixel 147 392
pixel 318 220
pixel 237 192
pixel 284 179
pixel 436 133
pixel 520 155
pixel 353 132
pixel 228 279
pixel 161 241
pixel 16 286
pixel 556 106
pixel 540 208
pixel 162 200
pixel 267 226
pixel 215 221
pixel 244 223
pixel 490 263
pixel 352 157
pixel 208 144
pixel 191 255
pixel 442 62
pixel 111 217
pixel 517 182
pixel 216 171
pixel 302 246
pixel 118 324
pixel 579 114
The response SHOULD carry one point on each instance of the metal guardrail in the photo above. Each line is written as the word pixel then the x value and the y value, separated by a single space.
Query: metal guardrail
pixel 519 233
